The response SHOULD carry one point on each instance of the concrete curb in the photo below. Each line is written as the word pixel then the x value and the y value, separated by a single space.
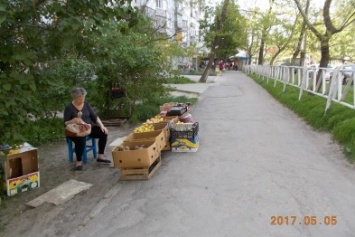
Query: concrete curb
pixel 189 92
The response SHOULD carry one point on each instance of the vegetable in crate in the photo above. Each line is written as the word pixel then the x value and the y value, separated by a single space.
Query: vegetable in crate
pixel 145 127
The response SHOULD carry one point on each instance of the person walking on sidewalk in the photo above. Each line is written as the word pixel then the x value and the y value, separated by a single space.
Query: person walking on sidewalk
pixel 80 112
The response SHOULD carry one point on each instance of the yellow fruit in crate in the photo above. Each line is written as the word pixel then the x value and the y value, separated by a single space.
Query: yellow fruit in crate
pixel 11 152
pixel 145 127
pixel 156 119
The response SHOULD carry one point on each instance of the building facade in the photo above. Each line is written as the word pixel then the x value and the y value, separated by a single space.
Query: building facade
pixel 179 20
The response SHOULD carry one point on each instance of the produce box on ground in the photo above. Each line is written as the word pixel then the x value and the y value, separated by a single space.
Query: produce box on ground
pixel 135 154
pixel 157 135
pixel 164 127
pixel 145 127
pixel 167 147
pixel 140 173
pixel 184 130
pixel 21 170
pixel 163 119
pixel 22 183
pixel 184 144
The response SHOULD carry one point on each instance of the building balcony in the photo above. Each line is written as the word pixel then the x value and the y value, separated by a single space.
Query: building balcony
pixel 148 11
pixel 160 12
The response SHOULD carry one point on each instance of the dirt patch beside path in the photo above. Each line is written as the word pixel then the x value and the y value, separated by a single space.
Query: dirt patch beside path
pixel 17 219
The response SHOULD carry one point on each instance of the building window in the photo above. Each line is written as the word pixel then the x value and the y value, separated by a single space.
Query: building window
pixel 168 23
pixel 159 3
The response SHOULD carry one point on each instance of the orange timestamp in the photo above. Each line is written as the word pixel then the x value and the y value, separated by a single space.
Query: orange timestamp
pixel 305 220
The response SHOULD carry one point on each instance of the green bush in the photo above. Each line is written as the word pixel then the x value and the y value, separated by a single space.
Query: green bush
pixel 43 131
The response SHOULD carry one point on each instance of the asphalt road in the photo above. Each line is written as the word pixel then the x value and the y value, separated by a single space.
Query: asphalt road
pixel 259 171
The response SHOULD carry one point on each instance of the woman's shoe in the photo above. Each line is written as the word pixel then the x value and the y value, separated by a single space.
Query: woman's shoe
pixel 78 168
pixel 103 161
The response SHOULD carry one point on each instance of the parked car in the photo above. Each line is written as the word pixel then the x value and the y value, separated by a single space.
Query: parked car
pixel 328 71
pixel 314 68
pixel 347 71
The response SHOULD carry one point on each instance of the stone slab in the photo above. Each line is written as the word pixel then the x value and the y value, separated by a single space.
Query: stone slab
pixel 61 193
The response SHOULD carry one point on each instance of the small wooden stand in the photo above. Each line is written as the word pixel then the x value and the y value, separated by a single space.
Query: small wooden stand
pixel 140 173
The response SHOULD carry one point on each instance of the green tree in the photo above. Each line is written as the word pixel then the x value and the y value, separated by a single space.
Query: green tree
pixel 281 37
pixel 132 61
pixel 329 27
pixel 224 33
pixel 35 36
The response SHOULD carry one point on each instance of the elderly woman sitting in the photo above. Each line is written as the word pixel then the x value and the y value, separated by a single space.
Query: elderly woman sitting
pixel 80 112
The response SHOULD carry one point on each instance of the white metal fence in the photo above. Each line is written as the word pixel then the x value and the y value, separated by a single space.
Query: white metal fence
pixel 332 84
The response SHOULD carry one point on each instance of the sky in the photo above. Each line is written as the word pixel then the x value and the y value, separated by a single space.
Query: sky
pixel 246 4
pixel 243 3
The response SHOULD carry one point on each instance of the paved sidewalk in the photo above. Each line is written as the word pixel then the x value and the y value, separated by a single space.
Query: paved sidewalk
pixel 257 167
pixel 195 89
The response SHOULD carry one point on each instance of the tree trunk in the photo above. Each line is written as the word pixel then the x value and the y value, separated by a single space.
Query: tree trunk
pixel 301 39
pixel 216 40
pixel 324 60
pixel 261 51
pixel 250 59
pixel 264 33
pixel 206 72
pixel 250 48
pixel 275 56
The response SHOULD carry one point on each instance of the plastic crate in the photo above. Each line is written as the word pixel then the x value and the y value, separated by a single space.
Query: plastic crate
pixel 186 130
pixel 176 110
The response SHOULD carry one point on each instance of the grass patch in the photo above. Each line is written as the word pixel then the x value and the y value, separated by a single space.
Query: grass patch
pixel 198 72
pixel 178 80
pixel 345 130
pixel 339 120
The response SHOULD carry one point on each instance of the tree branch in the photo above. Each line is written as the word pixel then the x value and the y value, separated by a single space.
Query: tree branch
pixel 326 16
pixel 36 3
pixel 305 18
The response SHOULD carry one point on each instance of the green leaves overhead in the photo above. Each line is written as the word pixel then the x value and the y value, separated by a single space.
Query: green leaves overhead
pixel 36 38
pixel 226 35
pixel 6 87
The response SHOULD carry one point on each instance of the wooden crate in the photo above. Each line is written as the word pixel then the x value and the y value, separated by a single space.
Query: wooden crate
pixel 140 173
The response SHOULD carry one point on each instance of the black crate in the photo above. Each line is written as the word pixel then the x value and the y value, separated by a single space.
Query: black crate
pixel 176 111
pixel 190 134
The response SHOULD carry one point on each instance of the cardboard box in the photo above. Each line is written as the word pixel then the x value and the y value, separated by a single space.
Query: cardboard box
pixel 168 120
pixel 157 135
pixel 21 170
pixel 184 144
pixel 22 184
pixel 167 147
pixel 139 158
pixel 165 128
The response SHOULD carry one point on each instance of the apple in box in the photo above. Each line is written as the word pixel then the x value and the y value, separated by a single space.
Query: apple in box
pixel 135 154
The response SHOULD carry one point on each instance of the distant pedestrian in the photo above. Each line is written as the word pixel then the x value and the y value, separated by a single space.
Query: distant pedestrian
pixel 221 65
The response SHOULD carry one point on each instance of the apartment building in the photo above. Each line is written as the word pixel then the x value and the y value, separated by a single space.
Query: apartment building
pixel 178 19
